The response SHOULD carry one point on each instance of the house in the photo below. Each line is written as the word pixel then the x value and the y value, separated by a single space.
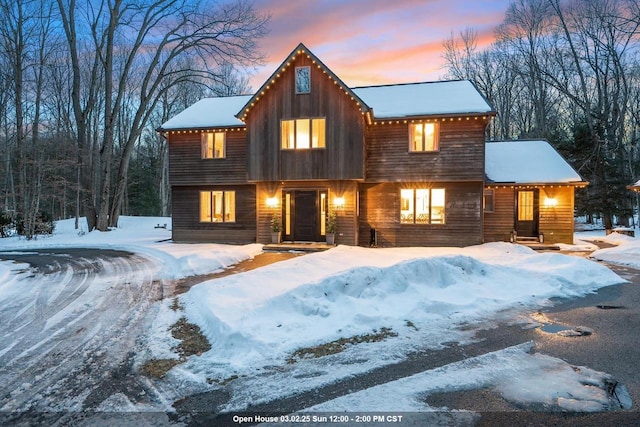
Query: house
pixel 529 192
pixel 405 160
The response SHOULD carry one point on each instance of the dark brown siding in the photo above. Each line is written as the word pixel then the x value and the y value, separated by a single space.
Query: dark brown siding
pixel 186 216
pixel 380 209
pixel 187 167
pixel 556 222
pixel 343 157
pixel 499 224
pixel 347 220
pixel 460 156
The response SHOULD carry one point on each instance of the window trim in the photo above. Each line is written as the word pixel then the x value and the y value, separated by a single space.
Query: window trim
pixel 203 143
pixel 492 192
pixel 413 205
pixel 211 207
pixel 436 137
pixel 294 128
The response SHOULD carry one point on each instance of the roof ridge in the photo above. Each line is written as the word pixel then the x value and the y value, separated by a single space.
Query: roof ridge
pixel 410 83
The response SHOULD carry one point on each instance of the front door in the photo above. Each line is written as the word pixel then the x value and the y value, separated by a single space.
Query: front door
pixel 527 213
pixel 305 216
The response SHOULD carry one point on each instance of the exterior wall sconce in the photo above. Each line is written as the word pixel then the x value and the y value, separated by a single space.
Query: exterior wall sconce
pixel 272 202
pixel 338 202
pixel 550 202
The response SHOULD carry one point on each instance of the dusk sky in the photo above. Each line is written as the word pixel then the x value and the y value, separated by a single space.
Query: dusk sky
pixel 370 42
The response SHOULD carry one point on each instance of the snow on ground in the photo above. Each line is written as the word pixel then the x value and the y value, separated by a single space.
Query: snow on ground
pixel 625 252
pixel 261 317
pixel 258 318
pixel 516 373
pixel 140 235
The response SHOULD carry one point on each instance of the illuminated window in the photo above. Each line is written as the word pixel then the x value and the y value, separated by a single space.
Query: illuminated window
pixel 423 137
pixel 525 205
pixel 422 206
pixel 213 145
pixel 217 206
pixel 302 134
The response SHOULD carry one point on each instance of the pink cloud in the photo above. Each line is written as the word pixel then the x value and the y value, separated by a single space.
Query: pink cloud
pixel 374 41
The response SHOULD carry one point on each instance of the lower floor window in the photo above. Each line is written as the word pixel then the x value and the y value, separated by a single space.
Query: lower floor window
pixel 422 205
pixel 217 206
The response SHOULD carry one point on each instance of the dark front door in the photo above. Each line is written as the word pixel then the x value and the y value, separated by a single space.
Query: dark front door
pixel 527 213
pixel 305 216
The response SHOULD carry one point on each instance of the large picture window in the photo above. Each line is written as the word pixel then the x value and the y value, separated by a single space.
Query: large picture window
pixel 422 205
pixel 217 206
pixel 300 134
pixel 423 137
pixel 213 145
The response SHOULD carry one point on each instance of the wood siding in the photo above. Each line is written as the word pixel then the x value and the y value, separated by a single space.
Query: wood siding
pixel 347 220
pixel 555 222
pixel 343 157
pixel 187 167
pixel 460 156
pixel 380 209
pixel 499 224
pixel 186 216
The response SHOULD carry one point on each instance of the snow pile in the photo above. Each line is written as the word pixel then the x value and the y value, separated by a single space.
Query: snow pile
pixel 514 372
pixel 625 252
pixel 147 236
pixel 262 316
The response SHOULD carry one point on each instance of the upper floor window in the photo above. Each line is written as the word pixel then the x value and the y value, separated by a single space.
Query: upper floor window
pixel 423 137
pixel 213 145
pixel 303 80
pixel 302 133
pixel 217 206
pixel 422 206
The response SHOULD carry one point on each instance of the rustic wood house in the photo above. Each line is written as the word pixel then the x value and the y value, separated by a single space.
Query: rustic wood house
pixel 407 161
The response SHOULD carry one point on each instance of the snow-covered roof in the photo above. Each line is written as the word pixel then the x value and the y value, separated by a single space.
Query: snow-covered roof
pixel 402 100
pixel 422 99
pixel 208 112
pixel 527 162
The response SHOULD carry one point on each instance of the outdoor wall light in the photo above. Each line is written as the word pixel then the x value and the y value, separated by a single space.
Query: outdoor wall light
pixel 338 202
pixel 550 202
pixel 272 202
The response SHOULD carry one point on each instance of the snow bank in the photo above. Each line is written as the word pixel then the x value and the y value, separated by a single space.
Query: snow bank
pixel 514 372
pixel 141 235
pixel 261 316
pixel 625 252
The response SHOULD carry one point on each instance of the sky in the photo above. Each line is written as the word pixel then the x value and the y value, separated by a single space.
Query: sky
pixel 371 42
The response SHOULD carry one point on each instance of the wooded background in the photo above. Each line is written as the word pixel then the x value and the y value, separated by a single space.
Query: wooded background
pixel 567 71
pixel 83 85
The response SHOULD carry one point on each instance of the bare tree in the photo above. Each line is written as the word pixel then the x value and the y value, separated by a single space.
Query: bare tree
pixel 140 44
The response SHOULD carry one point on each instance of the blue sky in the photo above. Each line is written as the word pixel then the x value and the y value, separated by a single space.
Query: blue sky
pixel 368 42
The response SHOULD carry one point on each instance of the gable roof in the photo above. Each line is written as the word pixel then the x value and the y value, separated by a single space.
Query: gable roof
pixel 424 99
pixel 301 49
pixel 527 162
pixel 456 97
pixel 206 113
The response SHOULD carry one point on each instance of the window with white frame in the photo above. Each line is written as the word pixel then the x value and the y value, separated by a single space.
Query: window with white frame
pixel 422 205
pixel 423 137
pixel 217 206
pixel 213 145
pixel 300 134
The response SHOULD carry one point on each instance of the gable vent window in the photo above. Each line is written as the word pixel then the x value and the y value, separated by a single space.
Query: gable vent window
pixel 300 134
pixel 423 137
